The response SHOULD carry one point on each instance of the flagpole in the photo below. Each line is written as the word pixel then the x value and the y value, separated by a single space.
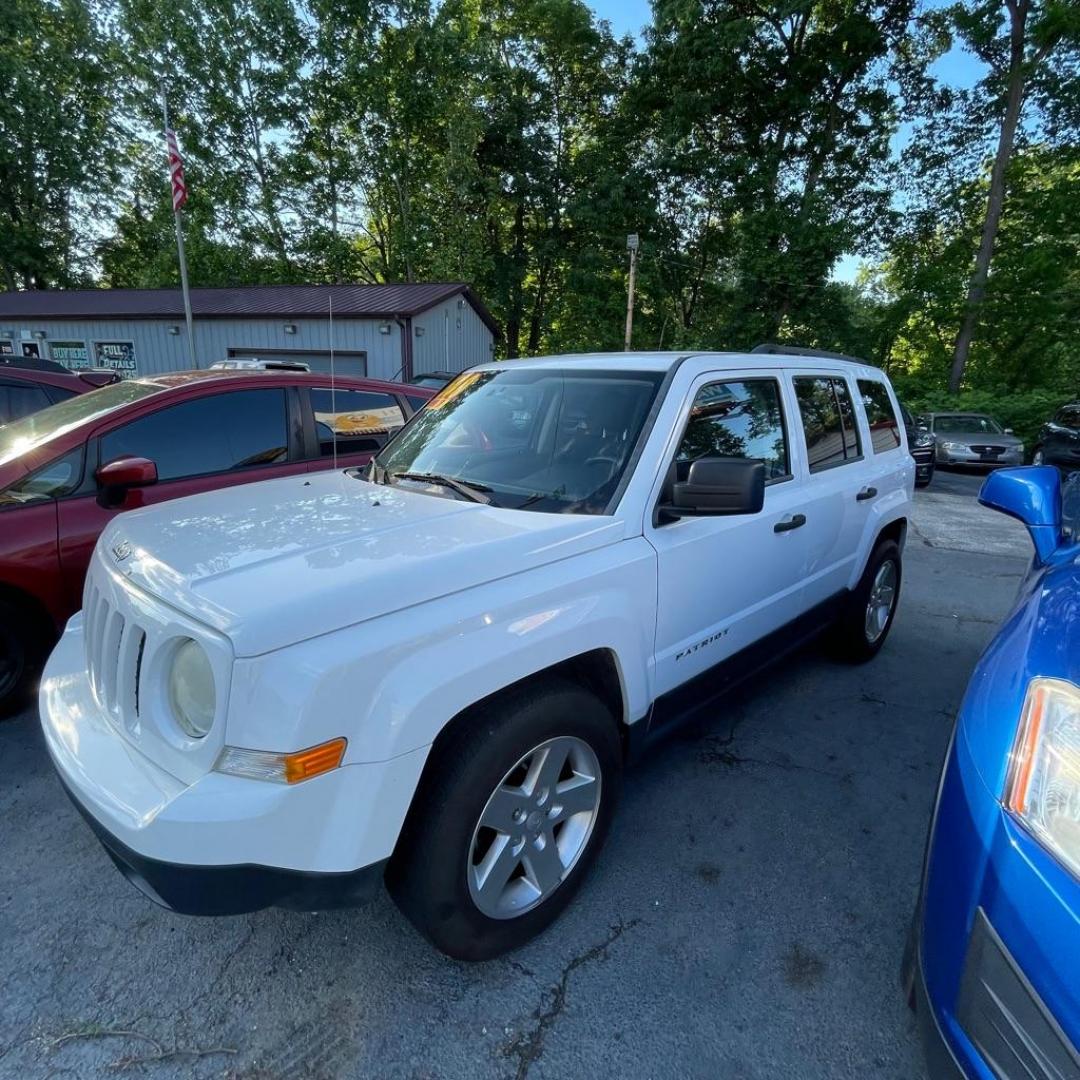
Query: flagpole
pixel 178 218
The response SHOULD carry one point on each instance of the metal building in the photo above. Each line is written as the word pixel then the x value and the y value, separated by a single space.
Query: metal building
pixel 384 331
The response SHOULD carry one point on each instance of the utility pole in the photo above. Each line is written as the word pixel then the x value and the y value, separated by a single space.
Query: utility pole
pixel 632 244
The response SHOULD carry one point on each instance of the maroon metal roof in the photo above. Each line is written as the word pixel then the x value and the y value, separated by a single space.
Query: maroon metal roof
pixel 247 301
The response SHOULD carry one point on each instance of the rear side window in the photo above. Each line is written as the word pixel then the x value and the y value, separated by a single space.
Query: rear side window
pixel 215 434
pixel 884 426
pixel 20 399
pixel 828 421
pixel 362 421
pixel 740 419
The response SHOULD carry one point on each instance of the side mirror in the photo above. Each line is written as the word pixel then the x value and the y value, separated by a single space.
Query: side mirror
pixel 115 478
pixel 716 486
pixel 1009 431
pixel 1031 494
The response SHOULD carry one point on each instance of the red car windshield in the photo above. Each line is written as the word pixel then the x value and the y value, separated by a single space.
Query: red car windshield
pixel 37 428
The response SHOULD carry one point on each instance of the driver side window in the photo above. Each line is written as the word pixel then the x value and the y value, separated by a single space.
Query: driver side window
pixel 737 419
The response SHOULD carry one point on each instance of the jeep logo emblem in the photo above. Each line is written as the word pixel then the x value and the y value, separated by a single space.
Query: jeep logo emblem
pixel 121 551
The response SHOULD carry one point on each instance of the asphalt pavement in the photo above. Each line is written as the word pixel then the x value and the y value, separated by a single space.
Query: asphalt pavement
pixel 745 920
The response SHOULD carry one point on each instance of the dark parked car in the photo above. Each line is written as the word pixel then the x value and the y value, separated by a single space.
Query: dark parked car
pixel 66 471
pixel 1059 440
pixel 921 444
pixel 28 384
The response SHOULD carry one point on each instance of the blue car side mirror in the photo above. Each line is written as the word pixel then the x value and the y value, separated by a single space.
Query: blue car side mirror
pixel 1032 495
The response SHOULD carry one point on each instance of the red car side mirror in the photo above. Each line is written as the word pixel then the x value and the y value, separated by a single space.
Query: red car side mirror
pixel 127 472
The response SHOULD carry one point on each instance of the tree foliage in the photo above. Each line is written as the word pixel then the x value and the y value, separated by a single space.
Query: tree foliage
pixel 515 143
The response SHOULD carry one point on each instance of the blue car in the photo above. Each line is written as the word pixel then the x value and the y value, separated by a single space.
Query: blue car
pixel 993 962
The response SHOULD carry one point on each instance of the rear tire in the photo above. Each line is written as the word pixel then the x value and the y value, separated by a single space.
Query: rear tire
pixel 862 629
pixel 22 653
pixel 496 844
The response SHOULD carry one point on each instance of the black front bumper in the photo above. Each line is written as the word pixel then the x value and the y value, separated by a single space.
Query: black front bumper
pixel 924 463
pixel 234 890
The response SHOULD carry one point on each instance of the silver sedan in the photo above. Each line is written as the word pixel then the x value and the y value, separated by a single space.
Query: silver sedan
pixel 974 439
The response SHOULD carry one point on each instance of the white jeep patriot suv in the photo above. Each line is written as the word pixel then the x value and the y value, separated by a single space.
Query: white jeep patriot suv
pixel 433 670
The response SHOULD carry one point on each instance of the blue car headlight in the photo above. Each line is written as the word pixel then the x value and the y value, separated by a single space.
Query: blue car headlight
pixel 1043 785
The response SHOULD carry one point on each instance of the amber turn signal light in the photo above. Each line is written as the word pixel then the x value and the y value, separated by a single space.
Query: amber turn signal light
pixel 305 764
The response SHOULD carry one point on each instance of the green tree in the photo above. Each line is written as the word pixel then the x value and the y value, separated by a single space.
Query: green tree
pixel 1034 33
pixel 1031 304
pixel 232 72
pixel 58 138
pixel 766 132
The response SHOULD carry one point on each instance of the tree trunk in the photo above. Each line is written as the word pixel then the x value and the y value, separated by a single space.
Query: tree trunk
pixel 996 199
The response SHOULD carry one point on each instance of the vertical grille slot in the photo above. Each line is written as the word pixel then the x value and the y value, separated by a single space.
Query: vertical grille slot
pixel 138 667
pixel 110 658
pixel 116 642
pixel 90 604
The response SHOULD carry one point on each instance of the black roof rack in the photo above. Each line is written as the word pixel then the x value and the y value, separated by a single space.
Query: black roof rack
pixel 794 350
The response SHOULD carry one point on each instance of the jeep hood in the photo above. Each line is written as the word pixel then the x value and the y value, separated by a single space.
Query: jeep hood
pixel 272 563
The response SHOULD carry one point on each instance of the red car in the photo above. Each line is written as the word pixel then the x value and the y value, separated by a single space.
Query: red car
pixel 27 385
pixel 65 471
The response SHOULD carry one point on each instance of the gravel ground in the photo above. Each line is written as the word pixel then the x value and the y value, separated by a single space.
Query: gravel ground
pixel 745 920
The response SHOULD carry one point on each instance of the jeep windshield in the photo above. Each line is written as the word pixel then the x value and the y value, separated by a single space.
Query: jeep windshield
pixel 33 430
pixel 552 440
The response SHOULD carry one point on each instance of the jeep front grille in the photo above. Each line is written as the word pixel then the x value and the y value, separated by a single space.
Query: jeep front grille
pixel 114 648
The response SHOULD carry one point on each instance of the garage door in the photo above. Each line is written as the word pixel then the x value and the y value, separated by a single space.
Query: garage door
pixel 345 363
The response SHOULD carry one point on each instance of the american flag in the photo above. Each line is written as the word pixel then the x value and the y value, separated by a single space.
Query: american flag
pixel 176 171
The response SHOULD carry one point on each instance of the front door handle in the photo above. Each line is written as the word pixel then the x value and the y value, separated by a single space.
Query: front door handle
pixel 866 493
pixel 796 521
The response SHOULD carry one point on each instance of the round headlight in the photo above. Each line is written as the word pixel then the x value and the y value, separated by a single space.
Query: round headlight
pixel 191 689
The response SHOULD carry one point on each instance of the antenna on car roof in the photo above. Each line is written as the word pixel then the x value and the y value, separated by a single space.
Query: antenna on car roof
pixel 333 385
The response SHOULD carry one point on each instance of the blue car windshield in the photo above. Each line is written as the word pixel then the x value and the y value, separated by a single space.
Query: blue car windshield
pixel 543 439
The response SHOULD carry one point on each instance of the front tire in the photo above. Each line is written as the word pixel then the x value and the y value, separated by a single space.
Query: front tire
pixel 509 816
pixel 862 629
pixel 22 653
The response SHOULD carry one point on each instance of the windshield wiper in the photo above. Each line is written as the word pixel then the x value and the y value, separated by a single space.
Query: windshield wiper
pixel 467 488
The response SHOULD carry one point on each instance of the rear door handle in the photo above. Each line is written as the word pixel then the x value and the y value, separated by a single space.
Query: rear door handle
pixel 796 521
pixel 866 493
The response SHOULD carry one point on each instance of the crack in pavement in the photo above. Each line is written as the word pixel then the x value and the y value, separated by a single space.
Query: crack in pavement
pixel 528 1047
pixel 959 618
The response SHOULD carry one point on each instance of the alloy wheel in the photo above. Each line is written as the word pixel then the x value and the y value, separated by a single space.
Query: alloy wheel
pixel 534 827
pixel 882 599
